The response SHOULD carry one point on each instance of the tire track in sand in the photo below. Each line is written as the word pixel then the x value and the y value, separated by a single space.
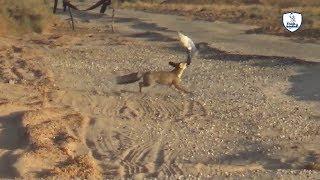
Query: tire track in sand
pixel 136 143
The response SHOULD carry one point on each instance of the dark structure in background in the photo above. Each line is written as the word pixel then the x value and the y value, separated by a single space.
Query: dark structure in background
pixel 66 3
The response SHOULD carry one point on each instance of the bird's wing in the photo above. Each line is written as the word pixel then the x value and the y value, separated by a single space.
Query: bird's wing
pixel 183 40
pixel 191 47
pixel 188 43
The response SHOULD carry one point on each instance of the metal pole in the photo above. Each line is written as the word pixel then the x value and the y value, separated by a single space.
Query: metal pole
pixel 112 26
pixel 55 6
pixel 70 13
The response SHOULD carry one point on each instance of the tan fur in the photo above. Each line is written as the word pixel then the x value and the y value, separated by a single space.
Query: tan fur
pixel 165 77
pixel 152 77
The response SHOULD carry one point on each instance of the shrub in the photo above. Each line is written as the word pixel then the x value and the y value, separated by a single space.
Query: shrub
pixel 24 16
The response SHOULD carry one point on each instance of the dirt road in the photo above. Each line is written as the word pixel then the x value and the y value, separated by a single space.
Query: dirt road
pixel 253 111
pixel 222 35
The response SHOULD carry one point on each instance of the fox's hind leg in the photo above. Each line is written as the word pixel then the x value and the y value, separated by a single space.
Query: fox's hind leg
pixel 147 81
pixel 143 84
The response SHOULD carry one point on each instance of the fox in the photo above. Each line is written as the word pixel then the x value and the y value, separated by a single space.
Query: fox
pixel 151 78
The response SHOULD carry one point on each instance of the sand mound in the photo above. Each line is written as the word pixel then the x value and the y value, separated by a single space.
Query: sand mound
pixel 56 137
pixel 45 141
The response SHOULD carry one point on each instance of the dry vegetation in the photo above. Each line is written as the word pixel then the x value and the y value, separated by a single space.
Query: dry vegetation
pixel 24 16
pixel 264 13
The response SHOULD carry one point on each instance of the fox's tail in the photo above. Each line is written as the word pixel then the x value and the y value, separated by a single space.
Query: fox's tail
pixel 129 78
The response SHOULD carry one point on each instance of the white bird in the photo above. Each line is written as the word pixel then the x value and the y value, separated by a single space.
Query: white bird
pixel 188 43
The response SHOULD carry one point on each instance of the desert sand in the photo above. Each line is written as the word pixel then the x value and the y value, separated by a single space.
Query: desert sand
pixel 63 115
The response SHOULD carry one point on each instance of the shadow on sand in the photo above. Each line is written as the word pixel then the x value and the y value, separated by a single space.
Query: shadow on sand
pixel 304 85
pixel 268 162
pixel 11 139
pixel 153 36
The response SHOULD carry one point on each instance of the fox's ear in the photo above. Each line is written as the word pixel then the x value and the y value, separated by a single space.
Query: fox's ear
pixel 173 64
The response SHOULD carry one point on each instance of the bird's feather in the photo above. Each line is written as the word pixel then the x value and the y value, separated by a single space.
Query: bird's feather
pixel 189 45
pixel 186 42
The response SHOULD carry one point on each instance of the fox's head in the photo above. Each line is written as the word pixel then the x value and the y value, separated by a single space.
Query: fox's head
pixel 178 67
pixel 173 64
pixel 181 65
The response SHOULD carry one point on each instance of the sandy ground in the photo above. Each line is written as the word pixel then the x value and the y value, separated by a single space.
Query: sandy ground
pixel 249 116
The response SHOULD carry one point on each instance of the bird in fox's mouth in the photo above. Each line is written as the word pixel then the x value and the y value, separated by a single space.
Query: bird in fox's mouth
pixel 189 45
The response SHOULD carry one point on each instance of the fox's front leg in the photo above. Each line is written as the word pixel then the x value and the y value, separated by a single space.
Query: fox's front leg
pixel 140 86
pixel 179 87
